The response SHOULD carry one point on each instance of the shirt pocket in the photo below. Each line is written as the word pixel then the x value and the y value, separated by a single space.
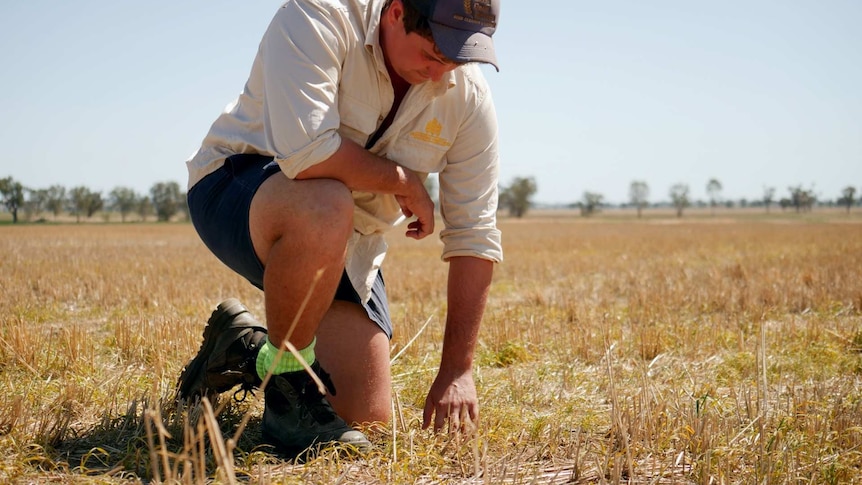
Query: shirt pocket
pixel 417 154
pixel 358 119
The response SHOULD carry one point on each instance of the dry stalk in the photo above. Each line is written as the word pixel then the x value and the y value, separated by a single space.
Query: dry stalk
pixel 410 342
pixel 394 429
pixel 18 356
pixel 151 444
pixel 224 458
pixel 763 402
pixel 616 411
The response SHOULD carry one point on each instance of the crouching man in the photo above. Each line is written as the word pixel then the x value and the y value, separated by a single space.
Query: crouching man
pixel 348 107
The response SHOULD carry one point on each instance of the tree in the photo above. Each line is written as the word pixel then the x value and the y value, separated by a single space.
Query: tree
pixel 186 211
pixel 35 203
pixel 95 203
pixel 802 199
pixel 55 198
pixel 679 197
pixel 143 207
pixel 768 197
pixel 13 196
pixel 591 203
pixel 638 195
pixel 847 197
pixel 123 200
pixel 166 197
pixel 84 201
pixel 517 196
pixel 713 188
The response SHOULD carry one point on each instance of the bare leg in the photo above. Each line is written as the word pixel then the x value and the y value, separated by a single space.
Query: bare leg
pixel 355 351
pixel 298 228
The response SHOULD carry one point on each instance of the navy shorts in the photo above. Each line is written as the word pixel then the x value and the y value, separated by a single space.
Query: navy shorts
pixel 219 207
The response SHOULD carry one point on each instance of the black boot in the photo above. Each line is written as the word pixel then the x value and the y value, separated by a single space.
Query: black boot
pixel 297 416
pixel 228 354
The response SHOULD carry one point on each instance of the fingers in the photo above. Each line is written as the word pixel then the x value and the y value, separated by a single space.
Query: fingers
pixel 423 210
pixel 439 419
pixel 421 227
pixel 405 205
pixel 473 412
pixel 454 420
pixel 437 413
pixel 463 420
pixel 427 413
pixel 418 230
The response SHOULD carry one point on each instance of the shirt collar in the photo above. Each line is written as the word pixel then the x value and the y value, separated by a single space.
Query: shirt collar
pixel 372 33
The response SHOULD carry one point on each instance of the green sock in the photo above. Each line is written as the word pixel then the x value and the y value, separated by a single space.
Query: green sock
pixel 287 363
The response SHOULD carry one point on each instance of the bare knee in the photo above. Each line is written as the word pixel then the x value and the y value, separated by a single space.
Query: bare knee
pixel 317 215
pixel 323 207
pixel 369 412
pixel 380 414
pixel 359 399
pixel 333 211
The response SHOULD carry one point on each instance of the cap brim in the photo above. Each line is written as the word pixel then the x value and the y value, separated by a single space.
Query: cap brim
pixel 464 46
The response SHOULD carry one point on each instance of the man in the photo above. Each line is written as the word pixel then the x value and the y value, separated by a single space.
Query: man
pixel 348 107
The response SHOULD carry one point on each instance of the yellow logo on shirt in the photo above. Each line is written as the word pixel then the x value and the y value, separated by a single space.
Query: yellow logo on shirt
pixel 432 134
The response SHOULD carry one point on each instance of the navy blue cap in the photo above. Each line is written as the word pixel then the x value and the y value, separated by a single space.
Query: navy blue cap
pixel 462 29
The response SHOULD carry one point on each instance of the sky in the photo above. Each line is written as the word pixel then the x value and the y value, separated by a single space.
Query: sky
pixel 591 95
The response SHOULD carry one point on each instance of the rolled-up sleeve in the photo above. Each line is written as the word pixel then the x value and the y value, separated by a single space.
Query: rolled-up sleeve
pixel 468 188
pixel 301 55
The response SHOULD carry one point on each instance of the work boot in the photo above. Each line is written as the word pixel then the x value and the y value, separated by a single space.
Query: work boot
pixel 296 416
pixel 232 340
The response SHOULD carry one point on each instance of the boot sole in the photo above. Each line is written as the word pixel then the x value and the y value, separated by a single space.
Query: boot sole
pixel 193 372
pixel 297 452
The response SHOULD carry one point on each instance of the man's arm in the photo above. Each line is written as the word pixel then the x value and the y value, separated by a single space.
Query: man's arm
pixel 361 170
pixel 453 394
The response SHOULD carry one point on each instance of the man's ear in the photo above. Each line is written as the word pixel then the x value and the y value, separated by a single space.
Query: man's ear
pixel 395 12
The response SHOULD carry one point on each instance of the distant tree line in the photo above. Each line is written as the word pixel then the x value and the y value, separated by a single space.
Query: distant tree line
pixel 517 198
pixel 165 200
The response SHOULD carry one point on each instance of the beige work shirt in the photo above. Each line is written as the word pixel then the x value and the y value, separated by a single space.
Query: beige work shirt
pixel 318 76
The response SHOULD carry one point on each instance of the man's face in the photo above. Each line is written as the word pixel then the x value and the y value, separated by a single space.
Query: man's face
pixel 413 57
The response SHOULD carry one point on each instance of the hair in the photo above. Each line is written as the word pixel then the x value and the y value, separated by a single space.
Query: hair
pixel 414 20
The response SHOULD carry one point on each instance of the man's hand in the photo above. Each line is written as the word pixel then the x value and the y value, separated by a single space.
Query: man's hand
pixel 419 207
pixel 452 397
pixel 415 201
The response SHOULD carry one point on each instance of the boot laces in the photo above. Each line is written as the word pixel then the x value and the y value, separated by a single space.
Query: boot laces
pixel 245 389
pixel 314 404
pixel 248 382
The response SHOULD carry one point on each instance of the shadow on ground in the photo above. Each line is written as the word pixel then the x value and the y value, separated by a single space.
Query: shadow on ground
pixel 152 444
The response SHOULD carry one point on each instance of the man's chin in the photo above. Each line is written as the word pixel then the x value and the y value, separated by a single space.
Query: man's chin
pixel 415 79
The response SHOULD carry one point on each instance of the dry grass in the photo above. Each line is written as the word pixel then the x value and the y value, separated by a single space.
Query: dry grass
pixel 710 351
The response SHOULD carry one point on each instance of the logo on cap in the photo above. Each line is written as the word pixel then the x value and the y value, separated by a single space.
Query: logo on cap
pixel 478 12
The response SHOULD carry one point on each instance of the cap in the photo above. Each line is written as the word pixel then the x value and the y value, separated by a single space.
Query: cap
pixel 462 29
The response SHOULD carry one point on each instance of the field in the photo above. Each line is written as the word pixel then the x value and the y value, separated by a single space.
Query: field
pixel 703 350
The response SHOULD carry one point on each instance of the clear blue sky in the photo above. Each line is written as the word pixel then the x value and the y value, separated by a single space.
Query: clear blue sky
pixel 591 95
